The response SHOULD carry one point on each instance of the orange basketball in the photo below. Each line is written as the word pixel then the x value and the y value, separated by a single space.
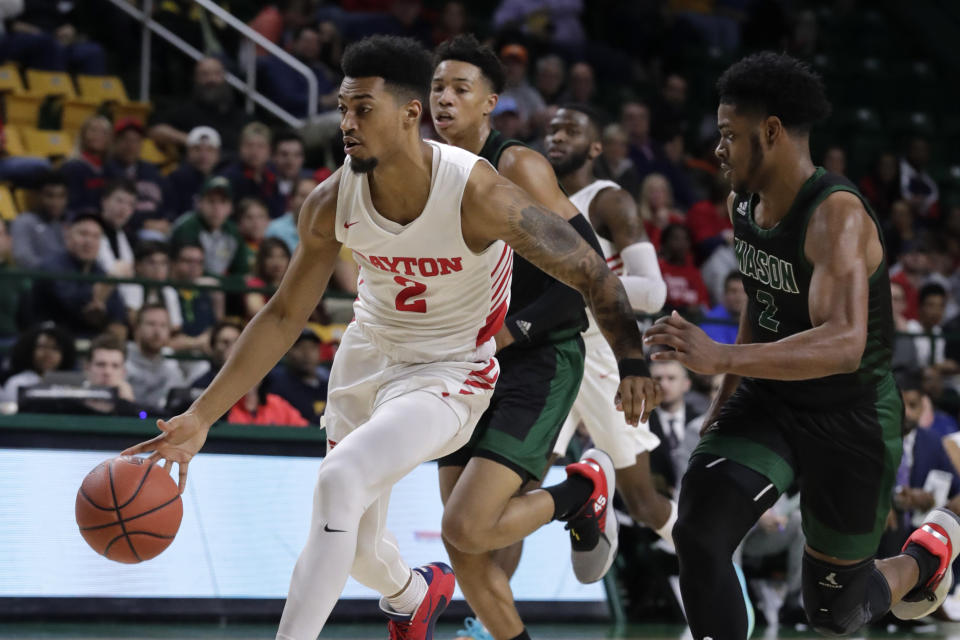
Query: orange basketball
pixel 128 510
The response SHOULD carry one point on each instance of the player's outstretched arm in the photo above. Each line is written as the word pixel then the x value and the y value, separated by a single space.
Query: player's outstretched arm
pixel 494 208
pixel 266 338
pixel 844 248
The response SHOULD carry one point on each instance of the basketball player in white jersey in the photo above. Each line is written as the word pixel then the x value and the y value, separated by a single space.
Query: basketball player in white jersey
pixel 428 224
pixel 573 143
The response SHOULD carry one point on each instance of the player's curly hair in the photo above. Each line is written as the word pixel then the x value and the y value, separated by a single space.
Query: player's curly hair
pixel 403 64
pixel 775 84
pixel 466 48
pixel 598 120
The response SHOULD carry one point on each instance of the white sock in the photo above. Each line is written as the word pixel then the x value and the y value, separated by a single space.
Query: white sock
pixel 666 531
pixel 412 595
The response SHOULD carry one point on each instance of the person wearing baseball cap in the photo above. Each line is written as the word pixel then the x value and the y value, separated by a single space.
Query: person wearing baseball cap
pixel 517 88
pixel 300 380
pixel 202 160
pixel 210 226
pixel 124 163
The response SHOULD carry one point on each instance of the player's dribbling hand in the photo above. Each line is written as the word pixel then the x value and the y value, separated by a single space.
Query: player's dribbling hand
pixel 182 438
pixel 691 346
pixel 637 397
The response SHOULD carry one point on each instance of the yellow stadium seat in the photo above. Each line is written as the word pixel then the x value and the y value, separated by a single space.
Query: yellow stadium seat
pixel 8 208
pixel 75 111
pixel 102 89
pixel 136 110
pixel 10 79
pixel 25 199
pixel 151 153
pixel 51 144
pixel 50 83
pixel 22 109
pixel 14 143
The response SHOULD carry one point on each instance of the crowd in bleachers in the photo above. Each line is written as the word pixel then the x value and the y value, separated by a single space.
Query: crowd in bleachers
pixel 191 200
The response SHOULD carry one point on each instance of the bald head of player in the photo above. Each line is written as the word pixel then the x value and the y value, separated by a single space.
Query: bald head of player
pixel 467 81
pixel 768 103
pixel 573 139
pixel 382 98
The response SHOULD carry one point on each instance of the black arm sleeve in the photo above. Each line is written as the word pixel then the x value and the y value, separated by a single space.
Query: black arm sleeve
pixel 557 305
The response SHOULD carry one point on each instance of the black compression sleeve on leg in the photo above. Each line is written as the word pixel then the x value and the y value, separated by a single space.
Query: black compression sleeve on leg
pixel 839 599
pixel 716 510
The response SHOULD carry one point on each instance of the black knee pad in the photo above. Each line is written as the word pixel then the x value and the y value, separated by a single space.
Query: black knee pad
pixel 839 599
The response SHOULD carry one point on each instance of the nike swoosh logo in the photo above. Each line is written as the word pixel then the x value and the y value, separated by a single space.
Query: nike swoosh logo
pixel 347 225
pixel 327 528
pixel 429 610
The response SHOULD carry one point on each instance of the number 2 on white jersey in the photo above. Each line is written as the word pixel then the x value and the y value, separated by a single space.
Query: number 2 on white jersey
pixel 411 289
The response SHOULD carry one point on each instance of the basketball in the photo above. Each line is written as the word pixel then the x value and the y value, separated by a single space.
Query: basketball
pixel 128 510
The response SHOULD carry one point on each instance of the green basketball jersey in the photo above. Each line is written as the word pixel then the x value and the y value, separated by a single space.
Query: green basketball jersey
pixel 776 277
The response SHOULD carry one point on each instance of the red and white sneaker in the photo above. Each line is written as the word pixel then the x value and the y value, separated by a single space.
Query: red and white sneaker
pixel 594 535
pixel 940 535
pixel 420 624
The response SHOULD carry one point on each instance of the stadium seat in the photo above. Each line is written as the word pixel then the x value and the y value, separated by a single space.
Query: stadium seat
pixel 49 83
pixel 14 143
pixel 8 208
pixel 10 79
pixel 22 109
pixel 136 110
pixel 151 153
pixel 75 111
pixel 102 89
pixel 25 199
pixel 51 144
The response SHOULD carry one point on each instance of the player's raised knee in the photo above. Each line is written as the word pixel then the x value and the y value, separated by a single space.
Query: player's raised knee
pixel 462 532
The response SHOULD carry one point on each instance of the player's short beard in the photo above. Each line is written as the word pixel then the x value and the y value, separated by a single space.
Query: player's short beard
pixel 571 163
pixel 363 165
pixel 753 167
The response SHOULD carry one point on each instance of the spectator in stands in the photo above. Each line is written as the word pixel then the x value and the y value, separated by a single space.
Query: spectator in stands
pixel 672 165
pixel 508 120
pixel 554 22
pixel 150 372
pixel 635 120
pixel 273 258
pixel 106 366
pixel 550 77
pixel 288 154
pixel 186 181
pixel 582 85
pixel 150 184
pixel 152 262
pixel 715 269
pixel 904 350
pixel 212 104
pixel 685 289
pixel 199 308
pixel 900 231
pixel 300 380
pixel 252 221
pixel 261 407
pixel 709 221
pixel 251 176
pixel 14 292
pixel 50 25
pixel 916 186
pixel 882 185
pixel 116 209
pixel 945 399
pixel 931 347
pixel 20 170
pixel 913 269
pixel 278 21
pixel 516 86
pixel 673 414
pixel 39 234
pixel 726 316
pixel 656 207
pixel 614 162
pixel 210 226
pixel 285 227
pixel 84 172
pixel 288 87
pixel 47 347
pixel 453 22
pixel 222 338
pixel 835 160
pixel 669 112
pixel 83 308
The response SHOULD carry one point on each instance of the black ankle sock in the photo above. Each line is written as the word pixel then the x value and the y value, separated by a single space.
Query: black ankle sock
pixel 569 496
pixel 927 562
pixel 523 636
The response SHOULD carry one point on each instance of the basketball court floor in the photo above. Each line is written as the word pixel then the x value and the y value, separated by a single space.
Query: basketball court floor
pixel 106 631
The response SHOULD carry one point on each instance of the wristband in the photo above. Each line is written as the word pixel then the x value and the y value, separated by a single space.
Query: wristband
pixel 633 367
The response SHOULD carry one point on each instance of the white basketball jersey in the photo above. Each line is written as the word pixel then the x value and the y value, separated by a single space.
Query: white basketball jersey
pixel 423 295
pixel 581 200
